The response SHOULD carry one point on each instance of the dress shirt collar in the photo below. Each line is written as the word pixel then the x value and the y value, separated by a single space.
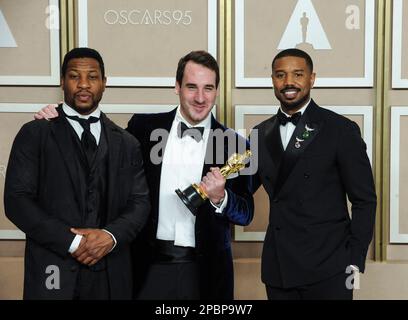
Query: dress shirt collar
pixel 71 112
pixel 302 110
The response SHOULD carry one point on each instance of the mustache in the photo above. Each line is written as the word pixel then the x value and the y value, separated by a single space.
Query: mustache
pixel 289 88
pixel 82 92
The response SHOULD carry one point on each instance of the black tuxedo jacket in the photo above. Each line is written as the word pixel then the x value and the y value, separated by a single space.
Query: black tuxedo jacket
pixel 212 231
pixel 310 236
pixel 42 197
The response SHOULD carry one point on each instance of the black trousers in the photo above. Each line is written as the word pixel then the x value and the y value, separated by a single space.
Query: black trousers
pixel 333 288
pixel 171 281
pixel 92 285
pixel 173 274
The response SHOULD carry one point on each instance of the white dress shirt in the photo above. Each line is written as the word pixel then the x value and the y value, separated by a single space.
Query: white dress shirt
pixel 96 132
pixel 95 127
pixel 286 131
pixel 182 165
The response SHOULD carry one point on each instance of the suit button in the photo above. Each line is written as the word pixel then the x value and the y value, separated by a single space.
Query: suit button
pixel 74 268
pixel 275 200
pixel 90 191
pixel 306 176
pixel 277 228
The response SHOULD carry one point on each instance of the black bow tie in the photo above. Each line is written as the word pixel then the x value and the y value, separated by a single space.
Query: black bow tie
pixel 195 132
pixel 283 119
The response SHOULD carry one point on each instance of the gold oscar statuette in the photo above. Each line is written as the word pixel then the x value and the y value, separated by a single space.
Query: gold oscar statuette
pixel 194 196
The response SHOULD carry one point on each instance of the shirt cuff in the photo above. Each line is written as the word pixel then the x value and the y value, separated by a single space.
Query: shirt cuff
pixel 75 243
pixel 355 268
pixel 221 206
pixel 113 237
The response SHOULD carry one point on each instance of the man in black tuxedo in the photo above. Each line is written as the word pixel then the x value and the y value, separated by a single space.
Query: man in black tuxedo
pixel 76 186
pixel 310 161
pixel 190 255
pixel 179 255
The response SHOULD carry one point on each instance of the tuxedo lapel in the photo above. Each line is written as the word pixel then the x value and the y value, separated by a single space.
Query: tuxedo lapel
pixel 62 132
pixel 164 122
pixel 114 140
pixel 273 141
pixel 214 148
pixel 306 131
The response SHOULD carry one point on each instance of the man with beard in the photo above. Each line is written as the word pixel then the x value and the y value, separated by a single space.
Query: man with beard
pixel 76 186
pixel 310 161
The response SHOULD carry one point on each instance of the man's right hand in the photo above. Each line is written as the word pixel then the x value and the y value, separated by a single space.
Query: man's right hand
pixel 48 112
pixel 94 245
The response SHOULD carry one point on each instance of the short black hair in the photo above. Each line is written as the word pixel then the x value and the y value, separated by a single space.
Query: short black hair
pixel 200 57
pixel 295 53
pixel 82 53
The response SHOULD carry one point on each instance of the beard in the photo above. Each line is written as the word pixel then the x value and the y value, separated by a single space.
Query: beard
pixel 84 110
pixel 295 105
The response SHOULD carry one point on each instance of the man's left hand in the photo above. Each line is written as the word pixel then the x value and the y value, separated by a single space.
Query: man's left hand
pixel 213 185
